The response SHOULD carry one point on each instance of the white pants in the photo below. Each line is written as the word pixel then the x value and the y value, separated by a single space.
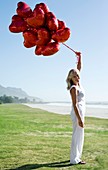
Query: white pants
pixel 77 143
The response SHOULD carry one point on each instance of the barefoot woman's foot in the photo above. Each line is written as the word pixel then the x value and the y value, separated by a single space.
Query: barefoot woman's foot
pixel 82 162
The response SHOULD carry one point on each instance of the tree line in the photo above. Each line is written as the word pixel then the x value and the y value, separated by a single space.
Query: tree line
pixel 10 99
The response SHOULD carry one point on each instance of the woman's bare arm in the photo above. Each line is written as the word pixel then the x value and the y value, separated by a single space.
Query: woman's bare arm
pixel 73 93
pixel 79 63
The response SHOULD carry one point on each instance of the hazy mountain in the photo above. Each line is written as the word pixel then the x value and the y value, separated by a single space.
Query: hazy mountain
pixel 17 92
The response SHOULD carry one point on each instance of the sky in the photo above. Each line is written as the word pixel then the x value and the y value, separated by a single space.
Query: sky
pixel 45 77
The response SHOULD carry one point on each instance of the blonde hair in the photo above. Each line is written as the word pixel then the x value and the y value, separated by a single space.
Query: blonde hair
pixel 70 76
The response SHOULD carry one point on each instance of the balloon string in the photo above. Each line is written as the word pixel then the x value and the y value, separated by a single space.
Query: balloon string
pixel 69 48
pixel 77 53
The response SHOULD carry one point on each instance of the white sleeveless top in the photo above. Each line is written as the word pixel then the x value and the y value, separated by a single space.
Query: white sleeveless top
pixel 81 103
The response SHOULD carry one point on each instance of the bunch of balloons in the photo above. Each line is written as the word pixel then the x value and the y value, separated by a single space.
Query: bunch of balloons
pixel 40 28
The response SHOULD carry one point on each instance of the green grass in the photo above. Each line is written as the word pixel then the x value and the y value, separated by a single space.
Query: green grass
pixel 36 139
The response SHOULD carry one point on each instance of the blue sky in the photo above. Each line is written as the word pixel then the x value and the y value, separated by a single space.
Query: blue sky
pixel 44 77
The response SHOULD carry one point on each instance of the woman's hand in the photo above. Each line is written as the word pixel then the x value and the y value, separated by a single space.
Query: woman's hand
pixel 81 124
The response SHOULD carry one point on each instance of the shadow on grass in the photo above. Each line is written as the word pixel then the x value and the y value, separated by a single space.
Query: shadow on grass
pixel 36 166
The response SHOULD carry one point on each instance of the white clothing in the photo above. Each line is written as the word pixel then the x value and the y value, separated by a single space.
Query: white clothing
pixel 78 132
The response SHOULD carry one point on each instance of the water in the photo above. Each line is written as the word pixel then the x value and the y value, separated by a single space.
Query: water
pixel 90 105
pixel 99 110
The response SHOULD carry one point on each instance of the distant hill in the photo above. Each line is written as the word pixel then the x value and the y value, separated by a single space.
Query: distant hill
pixel 17 92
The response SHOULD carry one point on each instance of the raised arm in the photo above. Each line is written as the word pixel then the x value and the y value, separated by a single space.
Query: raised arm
pixel 79 59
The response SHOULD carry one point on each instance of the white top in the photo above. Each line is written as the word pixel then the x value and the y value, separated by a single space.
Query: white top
pixel 80 102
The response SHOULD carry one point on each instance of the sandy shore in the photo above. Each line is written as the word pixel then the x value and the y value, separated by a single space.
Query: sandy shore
pixel 90 112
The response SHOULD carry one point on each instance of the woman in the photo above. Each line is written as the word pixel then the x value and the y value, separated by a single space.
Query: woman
pixel 77 113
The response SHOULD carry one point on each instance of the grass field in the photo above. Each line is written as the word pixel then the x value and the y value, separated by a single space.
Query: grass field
pixel 36 139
